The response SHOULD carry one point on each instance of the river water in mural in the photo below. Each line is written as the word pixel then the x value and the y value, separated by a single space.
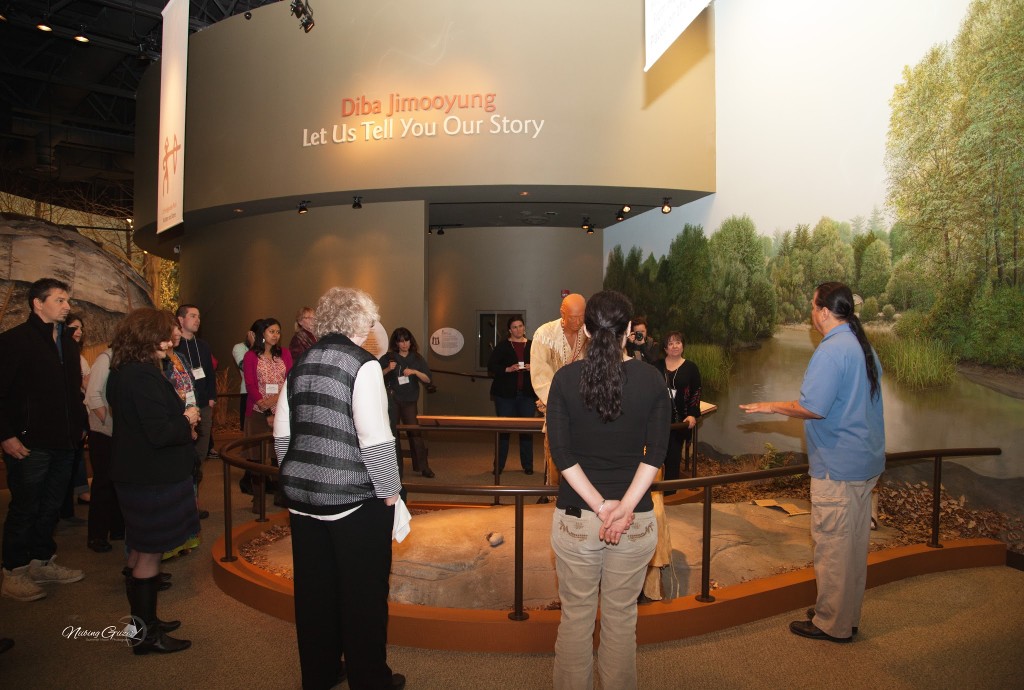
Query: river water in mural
pixel 961 415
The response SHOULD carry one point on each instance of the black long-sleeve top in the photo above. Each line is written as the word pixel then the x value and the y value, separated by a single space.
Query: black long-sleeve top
pixel 41 386
pixel 686 382
pixel 608 452
pixel 152 437
pixel 507 383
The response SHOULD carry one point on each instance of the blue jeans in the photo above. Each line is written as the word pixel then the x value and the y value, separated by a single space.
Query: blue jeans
pixel 519 406
pixel 37 484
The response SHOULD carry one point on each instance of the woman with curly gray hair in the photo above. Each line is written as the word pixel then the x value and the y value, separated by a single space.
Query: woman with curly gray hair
pixel 340 479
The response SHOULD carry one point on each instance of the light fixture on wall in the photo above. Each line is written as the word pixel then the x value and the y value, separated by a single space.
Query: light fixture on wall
pixel 304 207
pixel 586 224
pixel 665 208
pixel 357 202
pixel 80 36
pixel 304 11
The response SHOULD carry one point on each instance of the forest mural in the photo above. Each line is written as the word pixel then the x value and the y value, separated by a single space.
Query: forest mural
pixel 941 261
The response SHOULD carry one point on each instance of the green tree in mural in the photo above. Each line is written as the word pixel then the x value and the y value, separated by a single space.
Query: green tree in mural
pixel 876 269
pixel 743 304
pixel 956 181
pixel 685 276
pixel 831 258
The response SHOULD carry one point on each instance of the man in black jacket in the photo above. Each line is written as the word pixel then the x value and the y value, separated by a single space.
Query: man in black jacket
pixel 42 421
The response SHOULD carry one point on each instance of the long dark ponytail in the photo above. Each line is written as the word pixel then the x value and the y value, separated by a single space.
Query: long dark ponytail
pixel 606 317
pixel 838 299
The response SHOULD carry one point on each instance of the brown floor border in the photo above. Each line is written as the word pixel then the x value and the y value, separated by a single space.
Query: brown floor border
pixel 491 631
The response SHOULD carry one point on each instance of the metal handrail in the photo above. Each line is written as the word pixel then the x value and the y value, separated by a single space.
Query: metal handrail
pixel 520 493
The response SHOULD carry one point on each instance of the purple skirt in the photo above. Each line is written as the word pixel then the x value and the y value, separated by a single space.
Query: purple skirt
pixel 158 517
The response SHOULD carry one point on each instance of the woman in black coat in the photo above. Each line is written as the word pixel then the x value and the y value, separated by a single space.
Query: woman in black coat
pixel 151 466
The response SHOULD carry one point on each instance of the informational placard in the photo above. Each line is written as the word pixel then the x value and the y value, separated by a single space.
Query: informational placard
pixel 171 158
pixel 377 341
pixel 664 22
pixel 447 342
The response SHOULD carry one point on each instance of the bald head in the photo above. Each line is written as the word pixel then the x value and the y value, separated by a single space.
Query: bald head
pixel 572 310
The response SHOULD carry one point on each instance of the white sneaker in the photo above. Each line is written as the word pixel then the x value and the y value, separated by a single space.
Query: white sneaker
pixel 18 585
pixel 48 571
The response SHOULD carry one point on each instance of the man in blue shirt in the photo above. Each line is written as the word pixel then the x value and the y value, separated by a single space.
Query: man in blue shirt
pixel 841 403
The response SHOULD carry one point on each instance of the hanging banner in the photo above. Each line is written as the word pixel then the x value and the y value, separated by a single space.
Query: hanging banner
pixel 664 22
pixel 171 159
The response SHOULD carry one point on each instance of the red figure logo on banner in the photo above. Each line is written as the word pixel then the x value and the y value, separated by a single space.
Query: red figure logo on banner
pixel 170 153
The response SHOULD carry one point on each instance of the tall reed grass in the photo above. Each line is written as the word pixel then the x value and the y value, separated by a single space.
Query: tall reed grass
pixel 714 363
pixel 914 362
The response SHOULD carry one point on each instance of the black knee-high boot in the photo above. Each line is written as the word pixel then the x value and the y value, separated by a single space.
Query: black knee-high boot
pixel 129 582
pixel 142 594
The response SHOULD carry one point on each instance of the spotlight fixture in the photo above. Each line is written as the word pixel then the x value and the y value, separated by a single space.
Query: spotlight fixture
pixel 440 230
pixel 430 229
pixel 357 202
pixel 626 208
pixel 621 215
pixel 304 207
pixel 590 229
pixel 665 208
pixel 248 16
pixel 44 24
pixel 304 12
pixel 80 36
pixel 586 224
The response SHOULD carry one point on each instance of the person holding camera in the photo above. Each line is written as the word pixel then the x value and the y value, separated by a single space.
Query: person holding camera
pixel 639 345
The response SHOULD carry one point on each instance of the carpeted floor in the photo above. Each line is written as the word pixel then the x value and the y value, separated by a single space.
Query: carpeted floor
pixel 951 630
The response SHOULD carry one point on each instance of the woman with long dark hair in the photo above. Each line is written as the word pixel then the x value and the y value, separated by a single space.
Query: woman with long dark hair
pixel 608 419
pixel 265 367
pixel 841 405
pixel 152 461
pixel 404 371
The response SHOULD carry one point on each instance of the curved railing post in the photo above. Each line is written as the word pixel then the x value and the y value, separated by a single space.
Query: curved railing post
pixel 260 492
pixel 705 564
pixel 936 503
pixel 517 612
pixel 229 554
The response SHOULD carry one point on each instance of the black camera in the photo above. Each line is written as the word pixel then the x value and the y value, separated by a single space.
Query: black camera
pixel 638 336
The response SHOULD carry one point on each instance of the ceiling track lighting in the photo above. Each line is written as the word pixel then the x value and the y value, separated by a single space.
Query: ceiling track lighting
pixel 304 207
pixel 440 230
pixel 44 24
pixel 430 230
pixel 80 36
pixel 304 12
pixel 626 208
pixel 620 216
pixel 590 230
pixel 357 202
pixel 586 224
pixel 665 207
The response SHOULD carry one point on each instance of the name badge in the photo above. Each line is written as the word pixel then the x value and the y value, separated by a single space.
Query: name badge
pixel 672 393
pixel 190 398
pixel 402 380
pixel 273 389
pixel 198 373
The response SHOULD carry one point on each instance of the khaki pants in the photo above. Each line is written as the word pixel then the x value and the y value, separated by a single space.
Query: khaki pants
pixel 841 529
pixel 591 571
